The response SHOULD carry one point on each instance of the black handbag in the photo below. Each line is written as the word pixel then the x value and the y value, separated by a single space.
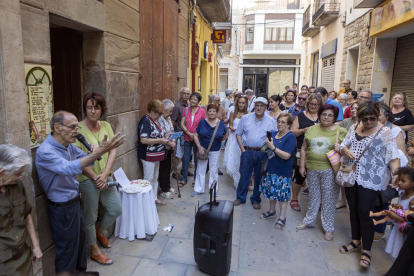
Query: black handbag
pixel 263 168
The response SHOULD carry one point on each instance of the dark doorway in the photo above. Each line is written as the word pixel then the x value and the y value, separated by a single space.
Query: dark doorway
pixel 66 55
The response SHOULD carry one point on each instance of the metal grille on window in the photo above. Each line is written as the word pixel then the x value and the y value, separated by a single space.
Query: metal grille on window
pixel 328 73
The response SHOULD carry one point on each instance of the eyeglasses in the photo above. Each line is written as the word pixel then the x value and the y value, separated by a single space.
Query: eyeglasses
pixel 90 108
pixel 72 127
pixel 372 119
pixel 185 94
pixel 291 90
pixel 363 98
pixel 301 99
pixel 313 104
pixel 282 122
pixel 160 113
pixel 327 115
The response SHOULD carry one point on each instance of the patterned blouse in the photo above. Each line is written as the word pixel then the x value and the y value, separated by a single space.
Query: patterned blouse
pixel 372 167
pixel 167 126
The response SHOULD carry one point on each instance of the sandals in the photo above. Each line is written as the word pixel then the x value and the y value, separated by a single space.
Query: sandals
pixel 340 206
pixel 101 259
pixel 302 226
pixel 193 184
pixel 103 241
pixel 354 248
pixel 280 223
pixel 167 195
pixel 268 215
pixel 182 184
pixel 172 190
pixel 329 236
pixel 364 262
pixel 295 206
pixel 159 202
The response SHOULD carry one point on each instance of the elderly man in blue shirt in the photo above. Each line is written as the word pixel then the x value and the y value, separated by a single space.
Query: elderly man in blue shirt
pixel 300 106
pixel 58 162
pixel 327 100
pixel 251 134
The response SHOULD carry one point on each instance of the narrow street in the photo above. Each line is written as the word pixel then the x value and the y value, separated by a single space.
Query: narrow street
pixel 258 248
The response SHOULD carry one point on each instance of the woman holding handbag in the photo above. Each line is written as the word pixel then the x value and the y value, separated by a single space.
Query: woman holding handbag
pixel 210 133
pixel 370 148
pixel 314 163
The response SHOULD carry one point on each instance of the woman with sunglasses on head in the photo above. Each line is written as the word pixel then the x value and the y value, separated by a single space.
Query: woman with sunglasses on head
pixel 93 187
pixel 402 115
pixel 381 151
pixel 319 140
pixel 290 100
pixel 152 143
pixel 301 123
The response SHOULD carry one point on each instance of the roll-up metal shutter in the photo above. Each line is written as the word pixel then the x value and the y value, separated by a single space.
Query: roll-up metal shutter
pixel 403 78
pixel 328 73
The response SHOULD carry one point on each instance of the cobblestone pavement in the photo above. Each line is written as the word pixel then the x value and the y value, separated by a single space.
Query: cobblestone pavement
pixel 258 248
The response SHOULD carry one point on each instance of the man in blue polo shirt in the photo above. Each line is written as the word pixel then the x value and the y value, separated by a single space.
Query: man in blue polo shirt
pixel 327 100
pixel 300 106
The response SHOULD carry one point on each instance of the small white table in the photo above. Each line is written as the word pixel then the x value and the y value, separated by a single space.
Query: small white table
pixel 139 215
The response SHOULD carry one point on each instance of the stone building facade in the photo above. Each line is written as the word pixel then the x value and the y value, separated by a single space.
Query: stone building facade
pixel 357 33
pixel 102 54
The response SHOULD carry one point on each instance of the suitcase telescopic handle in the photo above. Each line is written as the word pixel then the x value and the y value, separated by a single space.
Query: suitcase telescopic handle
pixel 213 188
pixel 207 252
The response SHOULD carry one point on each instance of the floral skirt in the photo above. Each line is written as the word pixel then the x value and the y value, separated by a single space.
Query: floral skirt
pixel 275 187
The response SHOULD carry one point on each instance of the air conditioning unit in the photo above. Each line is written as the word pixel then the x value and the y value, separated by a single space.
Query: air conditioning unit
pixel 193 17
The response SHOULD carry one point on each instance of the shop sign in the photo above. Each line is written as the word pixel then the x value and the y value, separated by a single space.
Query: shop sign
pixel 390 14
pixel 329 48
pixel 219 36
pixel 39 101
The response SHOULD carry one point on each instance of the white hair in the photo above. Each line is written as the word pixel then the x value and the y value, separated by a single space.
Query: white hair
pixel 343 95
pixel 228 92
pixel 167 104
pixel 213 97
pixel 13 158
pixel 248 91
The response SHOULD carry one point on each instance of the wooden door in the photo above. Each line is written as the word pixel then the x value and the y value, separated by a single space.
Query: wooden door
pixel 159 51
pixel 66 55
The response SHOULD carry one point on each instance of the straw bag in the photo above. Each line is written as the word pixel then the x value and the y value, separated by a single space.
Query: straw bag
pixel 334 156
pixel 346 175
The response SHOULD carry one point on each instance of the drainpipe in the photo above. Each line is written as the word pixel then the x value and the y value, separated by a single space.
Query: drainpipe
pixel 193 61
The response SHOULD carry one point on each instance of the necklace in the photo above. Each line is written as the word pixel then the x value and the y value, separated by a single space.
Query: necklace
pixel 313 119
pixel 99 123
pixel 362 130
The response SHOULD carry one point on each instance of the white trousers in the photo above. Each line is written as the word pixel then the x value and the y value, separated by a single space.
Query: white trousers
pixel 213 160
pixel 151 172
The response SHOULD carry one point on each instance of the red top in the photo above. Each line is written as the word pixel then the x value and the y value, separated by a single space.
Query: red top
pixel 192 126
pixel 347 113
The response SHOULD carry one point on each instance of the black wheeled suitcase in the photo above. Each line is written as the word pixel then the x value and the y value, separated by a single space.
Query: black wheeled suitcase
pixel 213 231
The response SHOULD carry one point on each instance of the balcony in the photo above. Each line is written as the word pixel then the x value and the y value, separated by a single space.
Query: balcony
pixel 278 46
pixel 307 29
pixel 215 10
pixel 273 5
pixel 248 47
pixel 363 4
pixel 326 12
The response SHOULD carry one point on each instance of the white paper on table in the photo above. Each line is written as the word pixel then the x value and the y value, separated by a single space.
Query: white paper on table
pixel 121 177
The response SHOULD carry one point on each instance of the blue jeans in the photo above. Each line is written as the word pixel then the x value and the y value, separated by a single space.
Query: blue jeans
pixel 188 148
pixel 250 161
pixel 380 228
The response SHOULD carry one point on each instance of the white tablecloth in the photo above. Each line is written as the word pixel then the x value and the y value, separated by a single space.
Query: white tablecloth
pixel 139 215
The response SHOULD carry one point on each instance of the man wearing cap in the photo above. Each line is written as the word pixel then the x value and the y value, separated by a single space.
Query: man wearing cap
pixel 251 134
pixel 300 106
pixel 225 103
pixel 251 98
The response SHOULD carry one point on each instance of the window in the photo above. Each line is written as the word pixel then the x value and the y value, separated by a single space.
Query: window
pixel 249 31
pixel 279 30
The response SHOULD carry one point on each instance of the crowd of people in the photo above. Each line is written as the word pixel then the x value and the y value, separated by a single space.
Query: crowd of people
pixel 273 146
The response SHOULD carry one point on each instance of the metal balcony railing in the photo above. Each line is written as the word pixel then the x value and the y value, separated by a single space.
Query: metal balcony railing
pixel 278 46
pixel 324 6
pixel 306 18
pixel 248 47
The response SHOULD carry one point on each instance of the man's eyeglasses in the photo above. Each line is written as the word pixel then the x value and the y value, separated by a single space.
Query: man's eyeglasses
pixel 301 99
pixel 72 127
pixel 372 119
pixel 185 94
pixel 363 98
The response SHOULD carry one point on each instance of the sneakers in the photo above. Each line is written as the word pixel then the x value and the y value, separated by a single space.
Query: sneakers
pixel 378 236
pixel 195 194
pixel 305 192
pixel 220 172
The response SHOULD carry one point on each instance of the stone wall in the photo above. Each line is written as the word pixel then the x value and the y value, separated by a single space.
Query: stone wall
pixel 356 33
